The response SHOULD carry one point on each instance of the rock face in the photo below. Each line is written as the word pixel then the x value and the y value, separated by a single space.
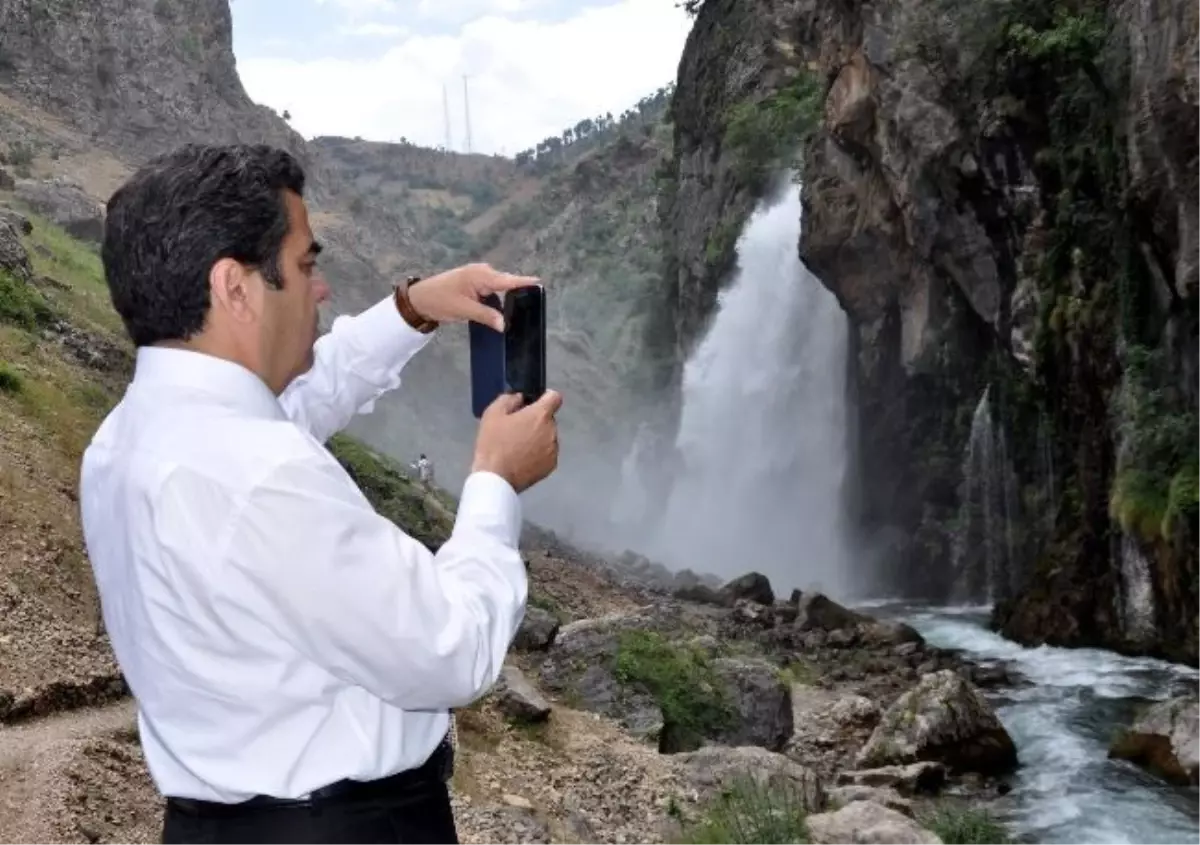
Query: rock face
pixel 942 719
pixel 1164 739
pixel 141 75
pixel 946 207
pixel 867 821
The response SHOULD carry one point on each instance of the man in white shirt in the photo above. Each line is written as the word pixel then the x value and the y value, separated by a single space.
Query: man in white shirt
pixel 293 654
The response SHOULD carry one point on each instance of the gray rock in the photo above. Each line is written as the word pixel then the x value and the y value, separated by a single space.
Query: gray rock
pixel 713 769
pixel 753 586
pixel 761 703
pixel 518 699
pixel 67 205
pixel 1165 739
pixel 942 718
pixel 819 612
pixel 868 822
pixel 14 260
pixel 537 630
pixel 839 796
pixel 926 777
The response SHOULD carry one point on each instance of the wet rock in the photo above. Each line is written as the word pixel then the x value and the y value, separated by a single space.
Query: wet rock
pixel 816 611
pixel 753 586
pixel 943 718
pixel 890 633
pixel 518 699
pixel 714 769
pixel 867 822
pixel 1165 739
pixel 537 630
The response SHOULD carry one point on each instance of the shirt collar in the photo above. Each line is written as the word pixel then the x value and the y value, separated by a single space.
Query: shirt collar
pixel 227 382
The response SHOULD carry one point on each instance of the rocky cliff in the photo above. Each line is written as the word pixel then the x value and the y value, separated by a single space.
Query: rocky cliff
pixel 88 90
pixel 1003 198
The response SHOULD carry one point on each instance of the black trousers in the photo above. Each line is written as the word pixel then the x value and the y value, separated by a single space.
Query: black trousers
pixel 421 817
pixel 413 807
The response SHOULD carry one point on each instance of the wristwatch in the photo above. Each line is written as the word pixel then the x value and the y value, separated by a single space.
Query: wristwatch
pixel 405 307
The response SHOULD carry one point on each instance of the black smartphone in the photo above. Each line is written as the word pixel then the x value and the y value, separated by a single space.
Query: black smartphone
pixel 487 361
pixel 525 341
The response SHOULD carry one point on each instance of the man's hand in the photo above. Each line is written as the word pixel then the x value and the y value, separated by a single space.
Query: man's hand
pixel 519 444
pixel 454 296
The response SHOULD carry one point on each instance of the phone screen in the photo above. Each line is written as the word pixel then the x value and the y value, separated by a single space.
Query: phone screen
pixel 525 341
pixel 487 361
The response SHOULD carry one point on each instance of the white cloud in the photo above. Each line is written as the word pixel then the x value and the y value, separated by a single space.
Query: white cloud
pixel 374 30
pixel 528 79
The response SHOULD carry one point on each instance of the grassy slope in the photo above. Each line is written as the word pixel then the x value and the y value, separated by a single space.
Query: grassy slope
pixel 50 405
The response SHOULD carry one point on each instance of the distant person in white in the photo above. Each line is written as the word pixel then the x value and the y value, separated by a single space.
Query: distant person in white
pixel 293 654
pixel 425 470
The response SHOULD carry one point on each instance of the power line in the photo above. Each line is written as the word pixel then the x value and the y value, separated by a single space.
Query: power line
pixel 467 112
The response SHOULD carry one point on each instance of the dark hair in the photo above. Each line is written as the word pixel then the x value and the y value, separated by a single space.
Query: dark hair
pixel 180 214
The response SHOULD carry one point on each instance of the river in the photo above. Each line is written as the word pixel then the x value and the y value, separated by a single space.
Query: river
pixel 1067 790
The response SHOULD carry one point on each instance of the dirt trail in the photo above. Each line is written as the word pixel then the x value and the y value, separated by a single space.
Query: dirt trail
pixel 76 777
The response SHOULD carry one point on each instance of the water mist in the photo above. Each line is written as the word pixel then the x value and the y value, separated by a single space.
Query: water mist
pixel 763 431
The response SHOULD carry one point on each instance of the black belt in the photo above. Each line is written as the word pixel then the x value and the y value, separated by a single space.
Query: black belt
pixel 434 771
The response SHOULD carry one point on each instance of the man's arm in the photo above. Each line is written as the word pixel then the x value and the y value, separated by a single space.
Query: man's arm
pixel 356 362
pixel 370 604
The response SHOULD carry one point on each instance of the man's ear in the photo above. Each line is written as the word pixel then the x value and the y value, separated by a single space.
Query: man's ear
pixel 234 290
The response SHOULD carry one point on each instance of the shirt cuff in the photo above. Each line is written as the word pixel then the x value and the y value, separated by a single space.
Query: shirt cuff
pixel 490 504
pixel 381 330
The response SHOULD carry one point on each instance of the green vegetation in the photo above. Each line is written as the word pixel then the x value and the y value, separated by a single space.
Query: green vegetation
pixel 392 493
pixel 10 380
pixel 964 826
pixel 749 811
pixel 693 701
pixel 21 304
pixel 765 133
pixel 1156 480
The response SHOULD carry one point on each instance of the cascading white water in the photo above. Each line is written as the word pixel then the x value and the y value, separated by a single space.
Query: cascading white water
pixel 984 550
pixel 762 437
pixel 1137 593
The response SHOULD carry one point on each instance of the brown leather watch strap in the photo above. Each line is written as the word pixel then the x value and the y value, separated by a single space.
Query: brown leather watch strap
pixel 405 307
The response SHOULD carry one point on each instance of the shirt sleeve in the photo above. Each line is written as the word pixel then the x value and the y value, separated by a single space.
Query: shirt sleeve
pixel 373 606
pixel 355 363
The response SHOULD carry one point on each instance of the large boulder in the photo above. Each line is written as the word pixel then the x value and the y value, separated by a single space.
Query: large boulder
pixel 759 700
pixel 713 770
pixel 818 612
pixel 753 586
pixel 1165 739
pixel 66 204
pixel 942 718
pixel 658 682
pixel 868 822
pixel 537 630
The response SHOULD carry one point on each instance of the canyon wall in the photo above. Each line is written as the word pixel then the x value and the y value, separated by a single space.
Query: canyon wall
pixel 1003 197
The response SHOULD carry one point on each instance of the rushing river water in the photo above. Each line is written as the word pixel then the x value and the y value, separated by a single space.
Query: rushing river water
pixel 1067 790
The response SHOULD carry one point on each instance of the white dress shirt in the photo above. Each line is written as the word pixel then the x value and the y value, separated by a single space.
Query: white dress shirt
pixel 277 633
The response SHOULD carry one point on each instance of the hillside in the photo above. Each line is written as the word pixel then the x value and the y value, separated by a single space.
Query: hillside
pixel 77 114
pixel 669 663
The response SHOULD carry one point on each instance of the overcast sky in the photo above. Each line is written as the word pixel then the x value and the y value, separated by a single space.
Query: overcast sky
pixel 376 68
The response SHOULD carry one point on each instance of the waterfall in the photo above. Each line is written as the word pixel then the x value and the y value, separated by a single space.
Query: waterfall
pixel 985 554
pixel 762 439
pixel 1136 593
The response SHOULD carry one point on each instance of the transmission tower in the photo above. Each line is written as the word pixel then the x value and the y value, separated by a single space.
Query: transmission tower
pixel 446 113
pixel 467 112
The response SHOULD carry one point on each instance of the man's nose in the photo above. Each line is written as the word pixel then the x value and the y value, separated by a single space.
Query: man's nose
pixel 320 290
